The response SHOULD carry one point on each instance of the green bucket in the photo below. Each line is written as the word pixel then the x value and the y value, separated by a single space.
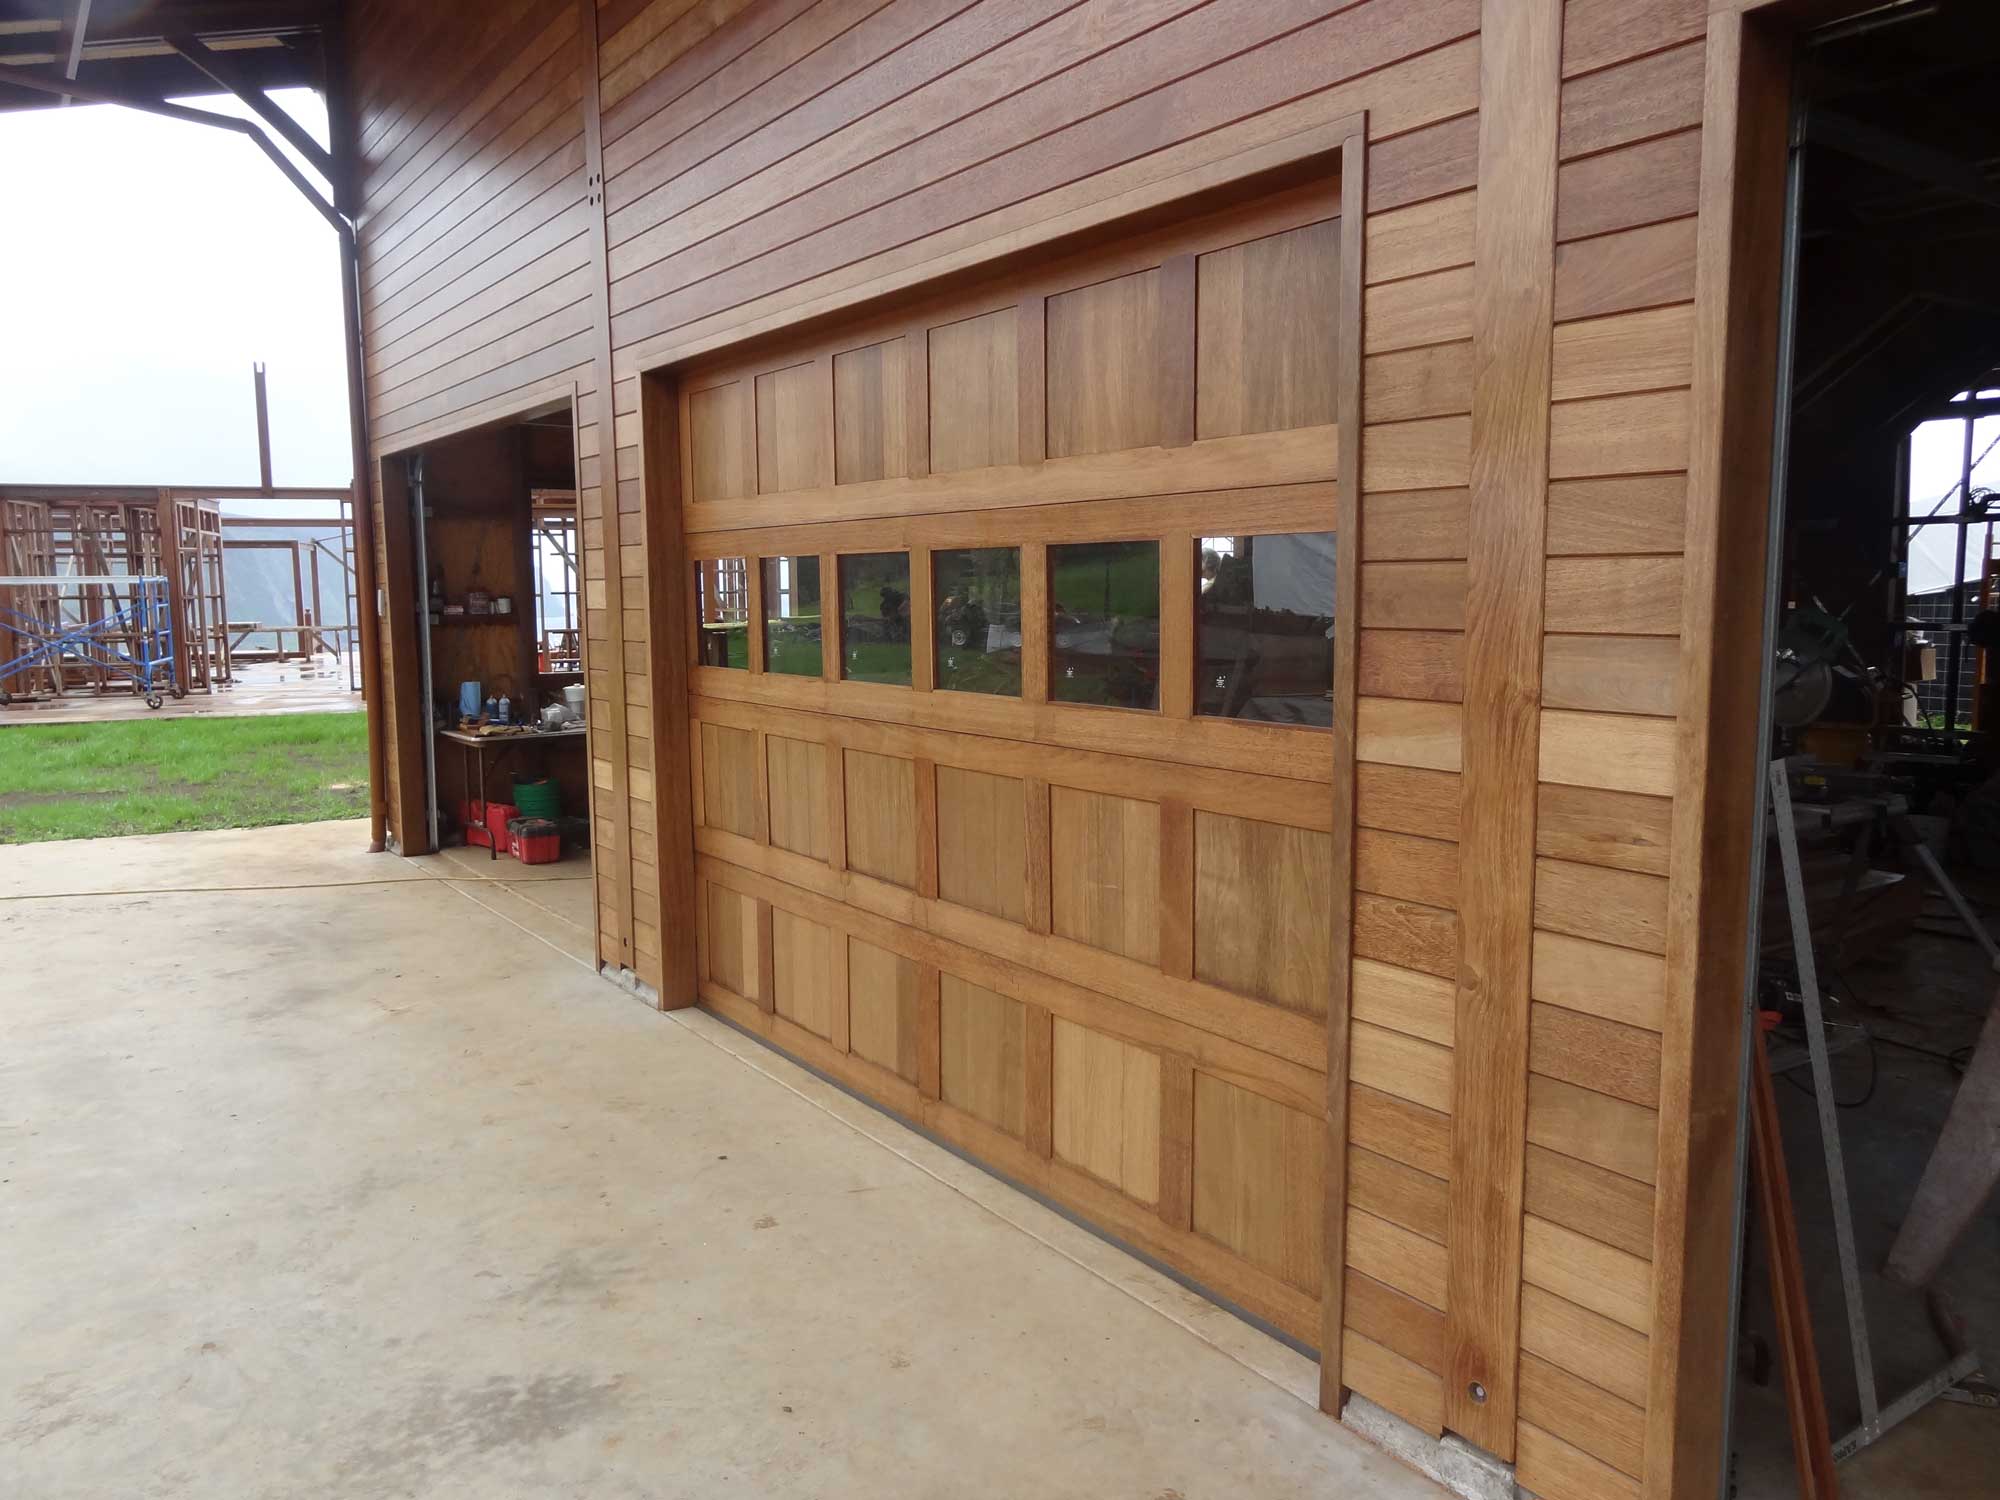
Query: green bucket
pixel 538 797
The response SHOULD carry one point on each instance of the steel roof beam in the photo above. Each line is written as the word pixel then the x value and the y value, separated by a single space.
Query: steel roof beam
pixel 224 69
pixel 76 21
pixel 27 78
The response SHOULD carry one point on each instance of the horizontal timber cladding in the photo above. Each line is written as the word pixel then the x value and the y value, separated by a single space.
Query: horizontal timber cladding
pixel 477 290
pixel 1620 442
pixel 866 287
pixel 1066 914
pixel 474 252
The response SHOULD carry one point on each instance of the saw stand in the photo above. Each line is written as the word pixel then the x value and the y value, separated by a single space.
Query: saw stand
pixel 1859 813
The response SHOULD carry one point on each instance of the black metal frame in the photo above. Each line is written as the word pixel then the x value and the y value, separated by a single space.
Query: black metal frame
pixel 1967 412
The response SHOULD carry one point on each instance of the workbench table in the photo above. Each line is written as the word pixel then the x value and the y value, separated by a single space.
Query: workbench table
pixel 479 749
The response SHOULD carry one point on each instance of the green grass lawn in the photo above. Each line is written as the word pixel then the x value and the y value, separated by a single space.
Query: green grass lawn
pixel 87 781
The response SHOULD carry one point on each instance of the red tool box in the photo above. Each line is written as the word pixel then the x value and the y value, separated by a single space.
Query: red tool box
pixel 485 823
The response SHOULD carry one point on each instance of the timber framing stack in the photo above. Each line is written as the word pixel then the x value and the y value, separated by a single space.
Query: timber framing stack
pixel 1465 1121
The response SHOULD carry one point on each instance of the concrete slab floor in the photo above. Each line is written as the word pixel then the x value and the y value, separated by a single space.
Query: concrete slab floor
pixel 235 859
pixel 353 1187
pixel 553 901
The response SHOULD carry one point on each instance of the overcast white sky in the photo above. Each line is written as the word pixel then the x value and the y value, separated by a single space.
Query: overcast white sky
pixel 148 264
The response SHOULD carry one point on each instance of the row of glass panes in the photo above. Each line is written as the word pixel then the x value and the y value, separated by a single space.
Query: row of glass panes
pixel 1263 622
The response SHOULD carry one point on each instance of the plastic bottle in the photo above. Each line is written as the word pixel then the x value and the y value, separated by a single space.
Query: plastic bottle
pixel 506 711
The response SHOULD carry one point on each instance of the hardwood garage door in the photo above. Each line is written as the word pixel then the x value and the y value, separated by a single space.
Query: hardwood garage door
pixel 1012 691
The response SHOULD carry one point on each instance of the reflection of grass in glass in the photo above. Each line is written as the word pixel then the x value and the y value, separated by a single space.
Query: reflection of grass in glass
pixel 1086 686
pixel 990 575
pixel 880 661
pixel 978 592
pixel 1114 584
pixel 1125 582
pixel 1109 681
pixel 864 577
pixel 793 646
pixel 963 670
pixel 876 637
pixel 735 639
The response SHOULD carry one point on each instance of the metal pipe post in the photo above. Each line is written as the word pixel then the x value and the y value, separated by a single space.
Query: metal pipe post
pixel 366 591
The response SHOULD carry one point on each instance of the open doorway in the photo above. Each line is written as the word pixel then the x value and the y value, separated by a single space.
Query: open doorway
pixel 1867 1358
pixel 495 562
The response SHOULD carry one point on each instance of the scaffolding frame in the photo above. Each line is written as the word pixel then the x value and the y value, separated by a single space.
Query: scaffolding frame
pixel 201 600
pixel 555 525
pixel 112 625
pixel 110 532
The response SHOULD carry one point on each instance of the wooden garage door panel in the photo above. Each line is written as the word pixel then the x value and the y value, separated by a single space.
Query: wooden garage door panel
pixel 798 795
pixel 793 445
pixel 729 779
pixel 975 392
pixel 1106 1102
pixel 870 406
pixel 732 940
pixel 882 990
pixel 1262 893
pixel 1263 361
pixel 802 966
pixel 982 1047
pixel 882 816
pixel 722 443
pixel 1105 353
pixel 1105 871
pixel 982 842
pixel 1259 1178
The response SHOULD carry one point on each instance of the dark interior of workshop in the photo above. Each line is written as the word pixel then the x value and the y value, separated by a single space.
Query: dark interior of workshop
pixel 501 625
pixel 1869 1333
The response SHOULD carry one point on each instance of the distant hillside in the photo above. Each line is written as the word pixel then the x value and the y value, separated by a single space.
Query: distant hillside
pixel 258 581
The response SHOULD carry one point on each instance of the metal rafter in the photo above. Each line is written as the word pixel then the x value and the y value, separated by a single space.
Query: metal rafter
pixel 76 22
pixel 222 68
pixel 29 78
pixel 1958 176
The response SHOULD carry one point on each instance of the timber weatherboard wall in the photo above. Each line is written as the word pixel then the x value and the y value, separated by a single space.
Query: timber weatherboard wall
pixel 561 198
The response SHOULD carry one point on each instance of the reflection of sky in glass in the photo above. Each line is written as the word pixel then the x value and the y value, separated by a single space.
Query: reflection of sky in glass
pixel 788 595
pixel 1937 450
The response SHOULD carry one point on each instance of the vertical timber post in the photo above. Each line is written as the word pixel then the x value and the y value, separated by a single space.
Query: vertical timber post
pixel 367 594
pixel 610 668
pixel 670 611
pixel 1718 753
pixel 1513 318
pixel 1347 612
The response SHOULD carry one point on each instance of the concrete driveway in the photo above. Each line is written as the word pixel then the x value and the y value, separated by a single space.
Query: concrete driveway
pixel 321 1177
